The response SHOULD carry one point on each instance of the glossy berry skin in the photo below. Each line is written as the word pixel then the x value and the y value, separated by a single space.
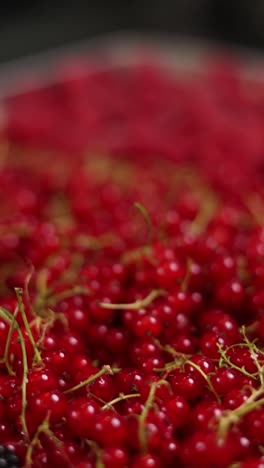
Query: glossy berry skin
pixel 148 326
pixel 146 461
pixel 110 429
pixel 131 381
pixel 56 359
pixel 236 397
pixel 72 342
pixel 14 406
pixel 51 402
pixel 41 381
pixel 209 344
pixel 201 362
pixel 115 457
pixel 231 294
pixel 103 388
pixel 99 314
pixel 186 343
pixel 206 415
pixel 253 425
pixel 186 384
pixel 178 411
pixel 78 320
pixel 241 356
pixel 224 268
pixel 221 323
pixel 224 380
pixel 117 340
pixel 144 349
pixel 81 416
pixel 203 449
pixel 170 274
pixel 170 451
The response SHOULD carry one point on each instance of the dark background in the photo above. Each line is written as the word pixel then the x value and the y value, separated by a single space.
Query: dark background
pixel 31 26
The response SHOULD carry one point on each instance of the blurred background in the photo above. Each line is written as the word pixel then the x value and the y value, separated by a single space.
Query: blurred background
pixel 30 26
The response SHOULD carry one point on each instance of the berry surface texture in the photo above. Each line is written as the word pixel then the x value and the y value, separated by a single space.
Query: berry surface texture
pixel 132 269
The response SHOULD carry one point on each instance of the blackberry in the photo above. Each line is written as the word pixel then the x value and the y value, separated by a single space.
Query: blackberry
pixel 8 458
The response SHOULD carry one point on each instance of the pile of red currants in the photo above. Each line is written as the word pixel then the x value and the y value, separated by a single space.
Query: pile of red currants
pixel 132 271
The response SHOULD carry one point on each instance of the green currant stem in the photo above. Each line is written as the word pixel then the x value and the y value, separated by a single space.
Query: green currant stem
pixel 97 451
pixel 255 206
pixel 105 370
pixel 24 384
pixel 26 289
pixel 147 218
pixel 178 357
pixel 120 398
pixel 8 341
pixel 47 299
pixel 44 426
pixel 37 356
pixel 186 280
pixel 206 378
pixel 58 444
pixel 144 414
pixel 73 271
pixel 233 416
pixel 224 359
pixel 43 293
pixel 140 303
pixel 99 463
pixel 169 366
pixel 5 314
pixel 254 351
pixel 250 407
pixel 41 281
pixel 95 242
pixel 54 299
pixel 204 216
pixel 135 255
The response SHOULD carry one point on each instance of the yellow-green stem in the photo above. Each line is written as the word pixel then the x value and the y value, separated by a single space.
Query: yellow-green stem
pixel 27 281
pixel 120 398
pixel 24 384
pixel 105 370
pixel 8 341
pixel 225 359
pixel 54 299
pixel 37 356
pixel 148 221
pixel 206 378
pixel 42 428
pixel 58 444
pixel 6 315
pixel 233 416
pixel 139 304
pixel 143 416
pixel 186 279
pixel 97 451
pixel 209 204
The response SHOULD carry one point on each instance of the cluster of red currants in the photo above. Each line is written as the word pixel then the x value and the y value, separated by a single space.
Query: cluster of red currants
pixel 131 290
